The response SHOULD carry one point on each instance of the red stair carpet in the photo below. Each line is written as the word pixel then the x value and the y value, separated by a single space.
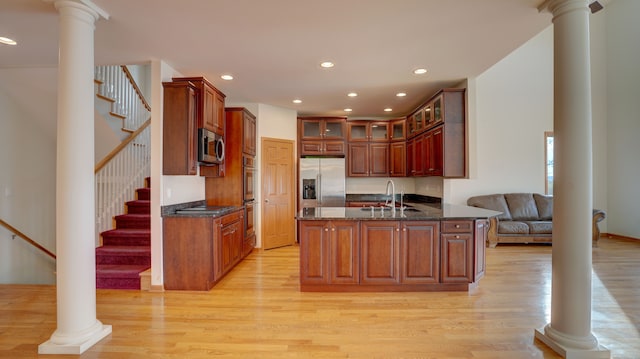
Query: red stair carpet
pixel 126 250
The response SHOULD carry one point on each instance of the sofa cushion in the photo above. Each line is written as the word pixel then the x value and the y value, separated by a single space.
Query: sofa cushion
pixel 545 206
pixel 512 227
pixel 522 206
pixel 495 202
pixel 540 227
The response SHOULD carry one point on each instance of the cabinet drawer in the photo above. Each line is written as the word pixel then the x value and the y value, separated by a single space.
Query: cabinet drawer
pixel 457 227
pixel 231 217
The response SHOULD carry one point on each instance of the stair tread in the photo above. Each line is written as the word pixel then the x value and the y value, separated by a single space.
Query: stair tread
pixel 132 232
pixel 124 250
pixel 120 270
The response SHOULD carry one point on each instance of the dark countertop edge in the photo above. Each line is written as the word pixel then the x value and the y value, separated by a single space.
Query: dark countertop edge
pixel 378 197
pixel 170 210
pixel 424 212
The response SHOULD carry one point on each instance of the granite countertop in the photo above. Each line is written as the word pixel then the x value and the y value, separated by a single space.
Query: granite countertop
pixel 197 209
pixel 416 212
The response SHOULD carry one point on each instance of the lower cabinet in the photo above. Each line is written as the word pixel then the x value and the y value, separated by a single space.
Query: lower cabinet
pixel 199 251
pixel 380 254
pixel 420 250
pixel 331 249
pixel 458 243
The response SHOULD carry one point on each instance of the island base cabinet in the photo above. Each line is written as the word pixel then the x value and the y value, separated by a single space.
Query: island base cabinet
pixel 389 255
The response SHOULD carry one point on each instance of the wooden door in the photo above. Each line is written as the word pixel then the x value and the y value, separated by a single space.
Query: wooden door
pixel 379 159
pixel 278 193
pixel 397 159
pixel 314 252
pixel 420 246
pixel 358 160
pixel 344 252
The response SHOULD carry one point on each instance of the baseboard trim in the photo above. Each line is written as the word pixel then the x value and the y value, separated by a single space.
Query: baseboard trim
pixel 618 236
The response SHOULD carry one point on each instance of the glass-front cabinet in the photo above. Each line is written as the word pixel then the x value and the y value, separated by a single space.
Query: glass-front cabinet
pixel 322 128
pixel 398 130
pixel 437 110
pixel 368 131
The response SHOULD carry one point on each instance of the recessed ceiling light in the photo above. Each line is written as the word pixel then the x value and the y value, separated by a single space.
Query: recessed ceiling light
pixel 420 71
pixel 352 94
pixel 227 77
pixel 401 94
pixel 348 110
pixel 388 109
pixel 327 64
pixel 7 41
pixel 297 101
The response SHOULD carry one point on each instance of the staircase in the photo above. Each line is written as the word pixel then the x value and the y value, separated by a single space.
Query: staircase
pixel 126 250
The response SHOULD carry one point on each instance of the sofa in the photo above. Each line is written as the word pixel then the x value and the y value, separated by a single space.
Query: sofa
pixel 525 218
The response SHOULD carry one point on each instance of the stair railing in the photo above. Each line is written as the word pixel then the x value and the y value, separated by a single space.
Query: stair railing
pixel 118 84
pixel 26 238
pixel 119 174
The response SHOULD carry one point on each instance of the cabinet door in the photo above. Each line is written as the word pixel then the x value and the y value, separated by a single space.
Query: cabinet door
pixel 311 147
pixel 310 129
pixel 333 148
pixel 333 129
pixel 344 252
pixel 230 252
pixel 433 146
pixel 314 252
pixel 411 157
pixel 482 228
pixel 358 160
pixel 428 115
pixel 219 114
pixel 249 135
pixel 179 155
pixel 397 159
pixel 420 248
pixel 209 109
pixel 457 257
pixel 378 159
pixel 380 252
pixel 398 130
pixel 438 110
pixel 358 131
pixel 379 132
pixel 419 156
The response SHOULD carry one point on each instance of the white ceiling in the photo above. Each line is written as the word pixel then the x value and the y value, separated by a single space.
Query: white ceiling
pixel 273 47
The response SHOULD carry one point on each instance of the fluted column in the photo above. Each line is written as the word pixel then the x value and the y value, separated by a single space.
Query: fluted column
pixel 569 332
pixel 77 326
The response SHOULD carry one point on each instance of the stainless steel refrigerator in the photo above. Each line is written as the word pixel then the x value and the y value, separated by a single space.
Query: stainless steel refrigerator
pixel 322 182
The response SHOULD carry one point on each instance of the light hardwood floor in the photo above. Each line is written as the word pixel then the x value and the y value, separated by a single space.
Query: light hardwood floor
pixel 258 312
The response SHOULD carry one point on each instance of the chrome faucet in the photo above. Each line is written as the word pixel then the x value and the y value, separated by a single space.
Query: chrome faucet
pixel 393 195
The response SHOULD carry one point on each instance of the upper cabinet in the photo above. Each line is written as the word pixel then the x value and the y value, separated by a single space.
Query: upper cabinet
pixel 440 149
pixel 321 136
pixel 368 131
pixel 210 106
pixel 179 135
pixel 398 130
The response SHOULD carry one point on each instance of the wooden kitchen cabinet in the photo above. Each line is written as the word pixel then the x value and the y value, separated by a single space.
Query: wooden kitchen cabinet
pixel 398 159
pixel 420 252
pixel 482 230
pixel 368 131
pixel 321 136
pixel 179 134
pixel 380 252
pixel 210 105
pixel 199 251
pixel 398 130
pixel 457 251
pixel 332 252
pixel 248 133
pixel 368 159
pixel 443 139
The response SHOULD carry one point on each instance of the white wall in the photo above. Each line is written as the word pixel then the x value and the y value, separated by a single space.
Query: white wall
pixel 623 117
pixel 27 185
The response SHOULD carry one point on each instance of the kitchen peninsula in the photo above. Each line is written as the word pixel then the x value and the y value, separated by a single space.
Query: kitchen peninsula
pixel 437 247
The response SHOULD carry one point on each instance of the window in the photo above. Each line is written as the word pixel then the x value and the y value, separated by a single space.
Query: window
pixel 548 162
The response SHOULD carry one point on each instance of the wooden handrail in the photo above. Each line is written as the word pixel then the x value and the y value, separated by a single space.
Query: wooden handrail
pixel 122 145
pixel 135 86
pixel 27 239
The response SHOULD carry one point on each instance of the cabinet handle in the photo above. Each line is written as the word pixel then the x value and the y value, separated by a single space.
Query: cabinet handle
pixel 457 237
pixel 404 229
pixel 326 229
pixel 333 229
pixel 397 229
pixel 457 226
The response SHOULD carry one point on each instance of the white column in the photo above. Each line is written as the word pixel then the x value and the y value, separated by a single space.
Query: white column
pixel 569 333
pixel 78 329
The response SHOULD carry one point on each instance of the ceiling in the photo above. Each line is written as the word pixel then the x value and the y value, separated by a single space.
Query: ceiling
pixel 273 48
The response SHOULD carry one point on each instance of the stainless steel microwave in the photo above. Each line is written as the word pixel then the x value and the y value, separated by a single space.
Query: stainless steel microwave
pixel 210 147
